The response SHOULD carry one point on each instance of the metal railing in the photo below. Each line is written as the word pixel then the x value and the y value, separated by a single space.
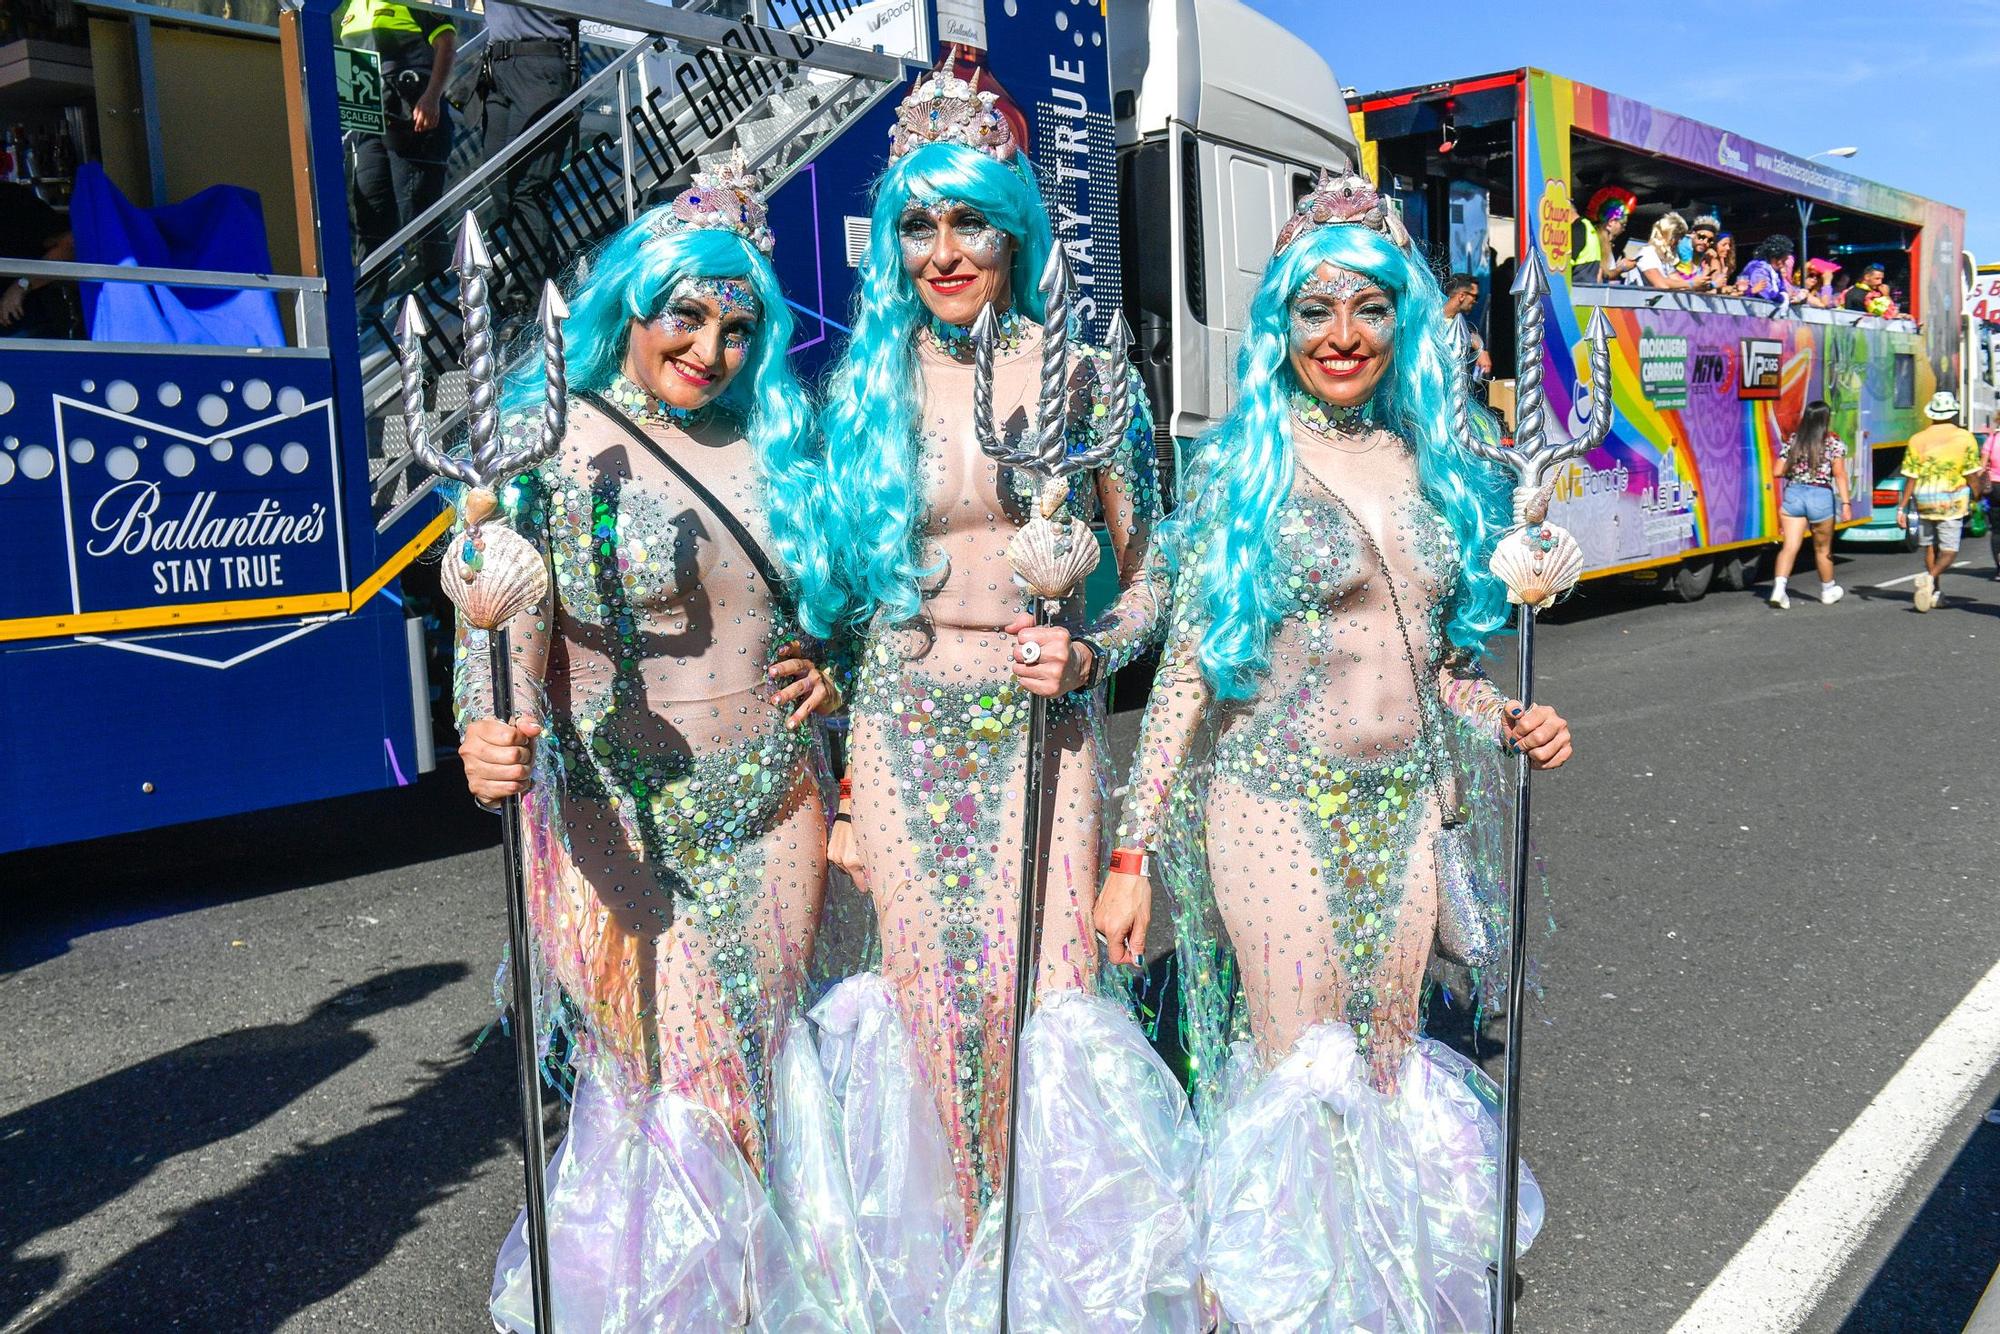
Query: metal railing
pixel 308 294
pixel 660 141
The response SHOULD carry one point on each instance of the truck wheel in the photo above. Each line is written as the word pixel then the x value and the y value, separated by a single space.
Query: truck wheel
pixel 1689 582
pixel 1732 573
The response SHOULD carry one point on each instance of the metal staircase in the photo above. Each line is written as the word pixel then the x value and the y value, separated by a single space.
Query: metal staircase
pixel 636 141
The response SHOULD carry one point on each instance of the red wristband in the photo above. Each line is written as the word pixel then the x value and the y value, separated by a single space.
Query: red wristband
pixel 846 788
pixel 1128 861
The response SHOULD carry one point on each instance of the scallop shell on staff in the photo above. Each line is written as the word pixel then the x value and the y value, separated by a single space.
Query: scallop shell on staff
pixel 493 574
pixel 1538 564
pixel 1051 557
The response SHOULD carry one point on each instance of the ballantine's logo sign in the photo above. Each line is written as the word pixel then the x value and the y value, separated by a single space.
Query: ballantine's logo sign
pixel 127 523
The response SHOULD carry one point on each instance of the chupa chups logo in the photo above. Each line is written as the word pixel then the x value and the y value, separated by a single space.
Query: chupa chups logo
pixel 1761 368
pixel 1557 216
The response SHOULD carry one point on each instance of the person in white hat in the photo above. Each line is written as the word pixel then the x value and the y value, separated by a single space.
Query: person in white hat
pixel 1940 462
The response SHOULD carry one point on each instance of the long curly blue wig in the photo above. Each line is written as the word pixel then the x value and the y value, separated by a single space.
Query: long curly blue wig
pixel 1244 466
pixel 869 419
pixel 630 278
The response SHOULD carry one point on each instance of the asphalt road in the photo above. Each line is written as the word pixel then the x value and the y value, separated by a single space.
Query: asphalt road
pixel 239 1091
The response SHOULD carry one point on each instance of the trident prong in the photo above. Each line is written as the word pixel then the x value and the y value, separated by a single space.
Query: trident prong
pixel 488 465
pixel 410 331
pixel 542 442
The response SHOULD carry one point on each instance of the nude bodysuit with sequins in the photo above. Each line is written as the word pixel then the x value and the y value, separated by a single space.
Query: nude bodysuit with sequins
pixel 1295 827
pixel 939 747
pixel 681 923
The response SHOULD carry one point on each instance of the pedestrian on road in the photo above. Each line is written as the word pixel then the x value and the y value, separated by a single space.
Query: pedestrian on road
pixel 1940 463
pixel 1989 492
pixel 1811 477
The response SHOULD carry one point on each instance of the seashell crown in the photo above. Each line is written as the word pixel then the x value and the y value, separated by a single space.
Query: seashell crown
pixel 1346 199
pixel 945 109
pixel 729 198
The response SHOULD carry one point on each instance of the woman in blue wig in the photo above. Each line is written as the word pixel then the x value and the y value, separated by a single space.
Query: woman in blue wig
pixel 1295 776
pixel 931 820
pixel 676 832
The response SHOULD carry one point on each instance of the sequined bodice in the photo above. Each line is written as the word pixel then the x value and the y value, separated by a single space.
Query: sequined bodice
pixel 666 630
pixel 1339 671
pixel 972 504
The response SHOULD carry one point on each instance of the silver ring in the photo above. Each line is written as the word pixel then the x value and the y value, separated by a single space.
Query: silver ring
pixel 1030 652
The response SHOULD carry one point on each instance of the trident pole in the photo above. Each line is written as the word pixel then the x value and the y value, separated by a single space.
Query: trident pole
pixel 492 574
pixel 1051 555
pixel 1539 562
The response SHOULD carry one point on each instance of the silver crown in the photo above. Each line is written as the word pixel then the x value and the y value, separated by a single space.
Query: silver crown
pixel 945 109
pixel 730 199
pixel 1346 199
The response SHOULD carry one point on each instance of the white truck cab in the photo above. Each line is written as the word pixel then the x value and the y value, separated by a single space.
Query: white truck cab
pixel 1224 120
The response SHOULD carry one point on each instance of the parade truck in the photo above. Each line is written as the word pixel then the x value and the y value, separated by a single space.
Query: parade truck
pixel 1705 388
pixel 212 526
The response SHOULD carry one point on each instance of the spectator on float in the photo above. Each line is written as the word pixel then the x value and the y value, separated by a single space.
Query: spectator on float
pixel 1600 258
pixel 1856 297
pixel 1819 283
pixel 1702 234
pixel 1768 275
pixel 1461 294
pixel 1939 462
pixel 1660 259
pixel 395 175
pixel 33 307
pixel 1811 477
pixel 1722 272
pixel 530 66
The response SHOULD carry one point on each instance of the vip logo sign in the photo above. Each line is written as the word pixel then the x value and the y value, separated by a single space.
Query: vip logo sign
pixel 1760 368
pixel 182 487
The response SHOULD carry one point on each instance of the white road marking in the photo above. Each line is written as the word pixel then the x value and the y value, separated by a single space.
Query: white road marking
pixel 1777 1280
pixel 1908 577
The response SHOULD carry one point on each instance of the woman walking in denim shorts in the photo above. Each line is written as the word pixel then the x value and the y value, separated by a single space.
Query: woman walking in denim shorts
pixel 1812 486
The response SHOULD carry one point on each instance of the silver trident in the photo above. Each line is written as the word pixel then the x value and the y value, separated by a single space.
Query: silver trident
pixel 1538 561
pixel 1051 554
pixel 492 574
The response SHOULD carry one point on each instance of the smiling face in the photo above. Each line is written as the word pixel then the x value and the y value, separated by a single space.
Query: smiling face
pixel 958 260
pixel 1703 240
pixel 687 354
pixel 1343 335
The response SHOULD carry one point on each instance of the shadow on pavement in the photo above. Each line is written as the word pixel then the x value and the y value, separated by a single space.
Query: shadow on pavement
pixel 58 894
pixel 1933 1279
pixel 70 1155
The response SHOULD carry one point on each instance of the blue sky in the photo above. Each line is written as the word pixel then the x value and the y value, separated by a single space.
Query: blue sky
pixel 1914 86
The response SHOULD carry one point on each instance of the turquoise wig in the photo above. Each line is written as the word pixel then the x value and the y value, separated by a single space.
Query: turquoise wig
pixel 630 278
pixel 1244 466
pixel 869 420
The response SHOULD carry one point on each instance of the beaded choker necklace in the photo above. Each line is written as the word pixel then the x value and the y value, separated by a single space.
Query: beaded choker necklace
pixel 632 400
pixel 1316 414
pixel 956 342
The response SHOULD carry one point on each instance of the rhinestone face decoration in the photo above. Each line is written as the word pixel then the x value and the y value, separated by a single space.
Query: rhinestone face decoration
pixel 1344 200
pixel 945 109
pixel 729 199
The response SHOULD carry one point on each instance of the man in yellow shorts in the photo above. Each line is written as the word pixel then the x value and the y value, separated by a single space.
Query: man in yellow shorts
pixel 1940 463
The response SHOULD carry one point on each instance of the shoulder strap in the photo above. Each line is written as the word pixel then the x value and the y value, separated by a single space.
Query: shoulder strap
pixel 767 569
